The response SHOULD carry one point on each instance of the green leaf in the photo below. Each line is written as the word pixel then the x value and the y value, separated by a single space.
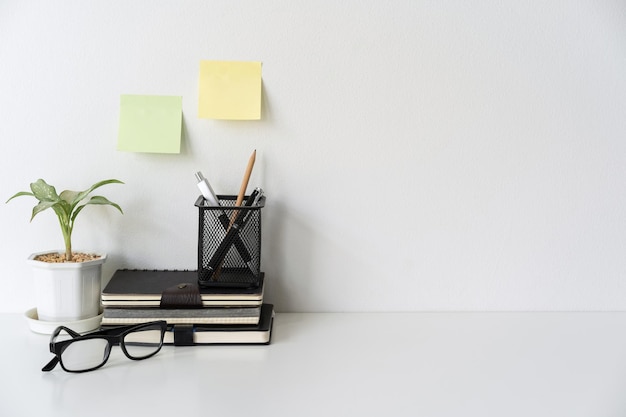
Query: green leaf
pixel 80 196
pixel 43 191
pixel 97 200
pixel 69 196
pixel 21 193
pixel 76 211
pixel 44 205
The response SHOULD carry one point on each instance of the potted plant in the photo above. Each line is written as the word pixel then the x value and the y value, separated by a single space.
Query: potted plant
pixel 67 283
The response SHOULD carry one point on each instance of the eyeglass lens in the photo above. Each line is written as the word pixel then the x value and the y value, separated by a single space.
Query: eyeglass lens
pixel 143 342
pixel 85 354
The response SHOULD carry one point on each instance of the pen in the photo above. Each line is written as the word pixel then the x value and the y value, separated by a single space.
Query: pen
pixel 206 190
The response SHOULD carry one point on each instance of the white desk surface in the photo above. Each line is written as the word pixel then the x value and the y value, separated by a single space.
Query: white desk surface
pixel 389 364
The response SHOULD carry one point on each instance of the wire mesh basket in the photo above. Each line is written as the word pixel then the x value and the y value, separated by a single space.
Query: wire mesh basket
pixel 229 243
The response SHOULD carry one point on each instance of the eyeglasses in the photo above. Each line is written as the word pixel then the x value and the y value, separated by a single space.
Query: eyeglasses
pixel 82 353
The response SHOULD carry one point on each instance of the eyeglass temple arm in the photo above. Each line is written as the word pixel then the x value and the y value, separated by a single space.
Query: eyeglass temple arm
pixel 54 361
pixel 67 330
pixel 50 365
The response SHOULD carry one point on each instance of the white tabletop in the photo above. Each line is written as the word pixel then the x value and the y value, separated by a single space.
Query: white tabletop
pixel 388 364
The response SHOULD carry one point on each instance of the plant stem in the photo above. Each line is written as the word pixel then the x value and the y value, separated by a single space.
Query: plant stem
pixel 66 229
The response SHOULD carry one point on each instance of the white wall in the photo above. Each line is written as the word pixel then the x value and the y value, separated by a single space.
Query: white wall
pixel 417 155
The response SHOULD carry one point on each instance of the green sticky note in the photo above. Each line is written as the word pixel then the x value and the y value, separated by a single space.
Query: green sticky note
pixel 230 90
pixel 150 123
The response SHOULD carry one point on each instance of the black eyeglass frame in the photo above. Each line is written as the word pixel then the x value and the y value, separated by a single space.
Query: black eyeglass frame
pixel 113 336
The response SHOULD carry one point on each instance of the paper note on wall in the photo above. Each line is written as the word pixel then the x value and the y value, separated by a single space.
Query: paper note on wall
pixel 230 90
pixel 150 123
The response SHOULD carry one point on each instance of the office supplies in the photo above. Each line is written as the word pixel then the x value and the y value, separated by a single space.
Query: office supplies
pixel 217 315
pixel 205 315
pixel 230 90
pixel 258 194
pixel 245 255
pixel 150 123
pixel 209 196
pixel 206 189
pixel 214 266
pixel 241 247
pixel 142 288
pixel 252 200
pixel 236 270
pixel 208 334
pixel 244 185
pixel 252 197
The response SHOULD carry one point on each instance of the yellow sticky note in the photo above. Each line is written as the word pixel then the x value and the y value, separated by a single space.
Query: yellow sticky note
pixel 230 90
pixel 150 123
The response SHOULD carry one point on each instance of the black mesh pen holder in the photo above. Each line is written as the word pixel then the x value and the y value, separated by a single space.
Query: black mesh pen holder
pixel 229 243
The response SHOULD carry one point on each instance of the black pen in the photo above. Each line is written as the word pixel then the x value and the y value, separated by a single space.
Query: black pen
pixel 226 224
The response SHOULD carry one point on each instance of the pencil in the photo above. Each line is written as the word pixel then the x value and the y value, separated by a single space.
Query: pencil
pixel 246 178
pixel 244 186
pixel 240 197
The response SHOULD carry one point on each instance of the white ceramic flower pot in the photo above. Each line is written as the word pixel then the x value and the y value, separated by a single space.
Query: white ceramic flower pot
pixel 67 291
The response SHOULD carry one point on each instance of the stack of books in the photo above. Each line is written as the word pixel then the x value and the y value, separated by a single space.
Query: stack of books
pixel 195 315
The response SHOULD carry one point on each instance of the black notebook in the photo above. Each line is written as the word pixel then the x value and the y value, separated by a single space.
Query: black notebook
pixel 143 288
pixel 206 315
pixel 207 334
